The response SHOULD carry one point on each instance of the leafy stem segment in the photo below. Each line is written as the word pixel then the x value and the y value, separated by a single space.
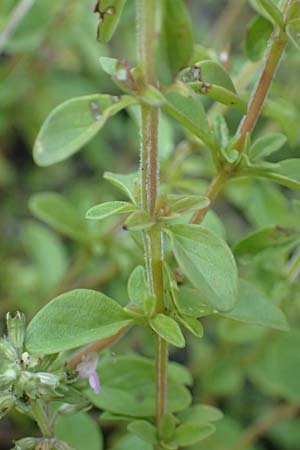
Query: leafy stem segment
pixel 149 167
pixel 272 61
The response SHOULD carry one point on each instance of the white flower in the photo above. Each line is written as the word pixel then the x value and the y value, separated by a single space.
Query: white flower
pixel 88 369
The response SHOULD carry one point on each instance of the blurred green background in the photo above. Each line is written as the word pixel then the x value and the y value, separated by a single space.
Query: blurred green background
pixel 54 56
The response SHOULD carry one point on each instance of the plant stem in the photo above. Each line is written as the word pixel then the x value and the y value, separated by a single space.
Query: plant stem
pixel 41 418
pixel 149 167
pixel 272 61
pixel 259 429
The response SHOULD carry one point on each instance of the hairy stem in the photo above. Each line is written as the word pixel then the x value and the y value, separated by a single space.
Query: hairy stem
pixel 272 61
pixel 149 167
pixel 41 418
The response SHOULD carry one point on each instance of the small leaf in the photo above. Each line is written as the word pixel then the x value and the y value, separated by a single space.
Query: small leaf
pixel 109 65
pixel 252 307
pixel 166 427
pixel 182 203
pixel 265 238
pixel 56 211
pixel 259 32
pixel 110 12
pixel 188 302
pixel 201 414
pixel 139 220
pixel 208 263
pixel 272 10
pixel 189 111
pixel 74 123
pixel 293 32
pixel 108 209
pixel 286 172
pixel 177 28
pixel 221 131
pixel 73 319
pixel 126 183
pixel 168 329
pixel 211 72
pixel 80 431
pixel 137 286
pixel 266 145
pixel 190 433
pixel 144 430
pixel 193 325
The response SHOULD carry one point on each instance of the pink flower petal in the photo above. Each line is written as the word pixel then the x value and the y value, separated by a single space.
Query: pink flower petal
pixel 95 382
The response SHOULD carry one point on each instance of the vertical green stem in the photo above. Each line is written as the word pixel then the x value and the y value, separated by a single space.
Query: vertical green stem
pixel 41 418
pixel 149 167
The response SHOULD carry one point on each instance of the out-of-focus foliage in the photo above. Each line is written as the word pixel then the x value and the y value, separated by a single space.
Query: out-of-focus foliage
pixel 47 246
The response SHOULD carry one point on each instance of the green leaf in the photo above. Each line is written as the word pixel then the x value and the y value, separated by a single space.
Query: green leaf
pixel 212 72
pixel 272 10
pixel 80 431
pixel 193 325
pixel 128 387
pixel 179 204
pixel 219 94
pixel 190 433
pixel 139 220
pixel 201 414
pixel 74 123
pixel 278 370
pixel 259 32
pixel 111 11
pixel 109 65
pixel 130 442
pixel 166 427
pixel 177 28
pixel 47 252
pixel 208 263
pixel 188 302
pixel 266 145
pixel 189 111
pixel 126 183
pixel 168 329
pixel 252 307
pixel 221 131
pixel 293 32
pixel 286 173
pixel 265 238
pixel 137 286
pixel 73 319
pixel 108 209
pixel 144 430
pixel 56 211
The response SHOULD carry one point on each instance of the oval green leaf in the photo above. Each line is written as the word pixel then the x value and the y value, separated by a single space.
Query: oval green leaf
pixel 73 319
pixel 208 263
pixel 110 12
pixel 107 209
pixel 168 329
pixel 74 123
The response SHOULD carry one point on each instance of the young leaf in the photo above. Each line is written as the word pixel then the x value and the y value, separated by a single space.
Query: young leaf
pixel 201 414
pixel 80 431
pixel 139 220
pixel 189 302
pixel 144 430
pixel 108 209
pixel 267 145
pixel 259 32
pixel 268 237
pixel 110 12
pixel 128 387
pixel 189 111
pixel 286 173
pixel 212 72
pixel 126 183
pixel 208 263
pixel 272 10
pixel 168 329
pixel 219 94
pixel 293 32
pixel 193 325
pixel 137 286
pixel 74 123
pixel 73 319
pixel 109 65
pixel 166 427
pixel 56 211
pixel 252 307
pixel 221 131
pixel 182 203
pixel 177 28
pixel 189 433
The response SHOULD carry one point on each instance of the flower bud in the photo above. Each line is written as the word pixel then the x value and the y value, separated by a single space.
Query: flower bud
pixel 28 443
pixel 16 329
pixel 7 402
pixel 7 350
